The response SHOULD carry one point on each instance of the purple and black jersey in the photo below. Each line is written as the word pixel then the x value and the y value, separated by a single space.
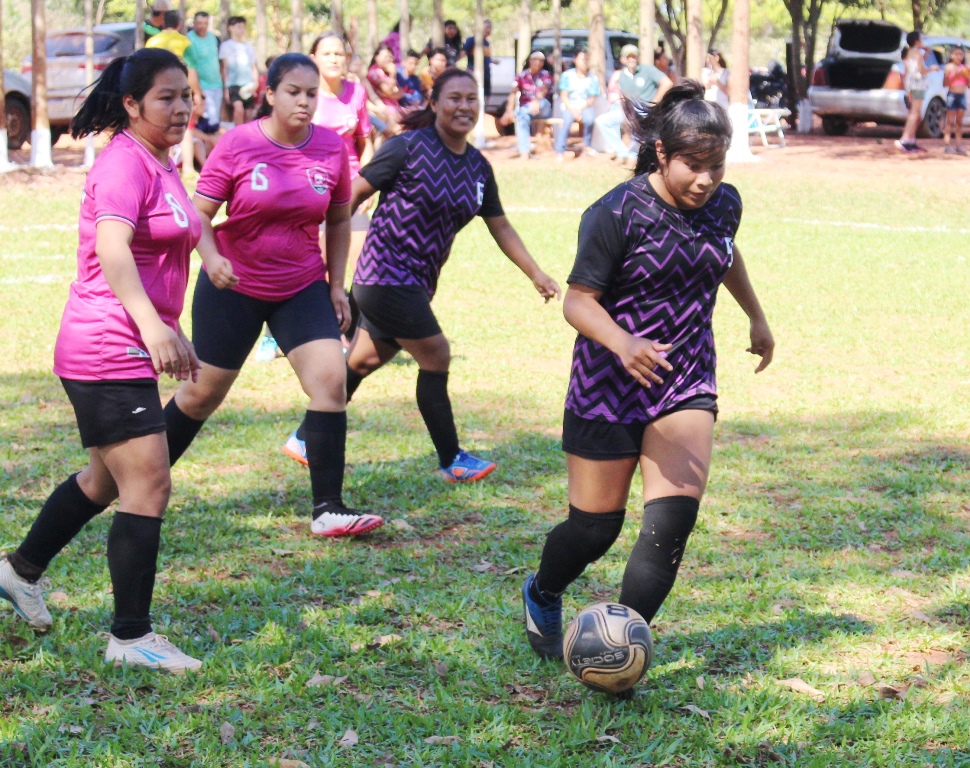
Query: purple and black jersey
pixel 428 193
pixel 658 268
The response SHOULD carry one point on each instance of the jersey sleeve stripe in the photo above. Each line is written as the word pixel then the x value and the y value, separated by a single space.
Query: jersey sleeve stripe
pixel 208 197
pixel 116 217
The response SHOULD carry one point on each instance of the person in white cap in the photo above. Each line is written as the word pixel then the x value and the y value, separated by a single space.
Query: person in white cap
pixel 534 89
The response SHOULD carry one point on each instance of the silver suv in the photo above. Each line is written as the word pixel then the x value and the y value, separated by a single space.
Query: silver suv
pixel 848 85
pixel 66 76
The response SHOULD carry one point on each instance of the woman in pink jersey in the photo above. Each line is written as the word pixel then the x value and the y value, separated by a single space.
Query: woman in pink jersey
pixel 119 331
pixel 279 177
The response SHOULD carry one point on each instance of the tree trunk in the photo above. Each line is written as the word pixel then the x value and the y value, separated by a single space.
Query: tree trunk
pixel 522 49
pixel 225 11
pixel 556 46
pixel 648 14
pixel 718 23
pixel 40 136
pixel 597 42
pixel 139 24
pixel 4 162
pixel 437 23
pixel 296 33
pixel 337 16
pixel 695 39
pixel 917 15
pixel 673 33
pixel 739 84
pixel 404 28
pixel 372 38
pixel 261 34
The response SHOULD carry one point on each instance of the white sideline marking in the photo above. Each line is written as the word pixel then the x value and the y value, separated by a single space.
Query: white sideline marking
pixel 32 227
pixel 943 229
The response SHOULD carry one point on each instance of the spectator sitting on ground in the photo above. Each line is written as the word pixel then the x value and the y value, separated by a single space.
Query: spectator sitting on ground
pixel 382 74
pixel 205 134
pixel 437 63
pixel 239 73
pixel 376 110
pixel 578 90
pixel 409 82
pixel 534 90
pixel 170 38
pixel 642 84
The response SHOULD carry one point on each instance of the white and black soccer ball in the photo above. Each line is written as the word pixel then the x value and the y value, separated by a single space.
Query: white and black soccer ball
pixel 608 647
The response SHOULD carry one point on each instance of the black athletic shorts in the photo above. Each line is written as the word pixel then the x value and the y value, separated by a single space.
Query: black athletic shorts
pixel 234 96
pixel 603 440
pixel 389 312
pixel 227 324
pixel 111 412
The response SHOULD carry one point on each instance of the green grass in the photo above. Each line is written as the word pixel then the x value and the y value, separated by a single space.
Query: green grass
pixel 831 545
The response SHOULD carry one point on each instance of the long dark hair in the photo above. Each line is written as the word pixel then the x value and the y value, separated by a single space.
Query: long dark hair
pixel 381 47
pixel 104 108
pixel 457 36
pixel 279 69
pixel 682 122
pixel 424 118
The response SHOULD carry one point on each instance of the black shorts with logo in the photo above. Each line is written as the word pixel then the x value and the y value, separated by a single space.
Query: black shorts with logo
pixel 111 412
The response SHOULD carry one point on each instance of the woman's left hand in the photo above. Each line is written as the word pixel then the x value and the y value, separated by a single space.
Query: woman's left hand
pixel 762 343
pixel 341 306
pixel 547 287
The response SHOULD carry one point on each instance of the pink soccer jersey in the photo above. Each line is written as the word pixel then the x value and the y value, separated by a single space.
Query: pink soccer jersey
pixel 98 339
pixel 346 115
pixel 276 198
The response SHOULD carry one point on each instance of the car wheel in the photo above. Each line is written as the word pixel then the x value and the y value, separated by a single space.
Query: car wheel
pixel 835 126
pixel 933 120
pixel 18 123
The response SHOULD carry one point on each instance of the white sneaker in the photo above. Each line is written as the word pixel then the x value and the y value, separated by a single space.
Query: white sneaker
pixel 348 523
pixel 27 599
pixel 152 651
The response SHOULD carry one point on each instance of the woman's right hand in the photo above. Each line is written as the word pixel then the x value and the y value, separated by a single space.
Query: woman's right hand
pixel 219 269
pixel 168 352
pixel 641 358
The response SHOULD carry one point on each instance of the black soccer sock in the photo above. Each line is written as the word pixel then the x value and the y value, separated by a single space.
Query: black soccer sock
pixel 652 567
pixel 581 539
pixel 326 440
pixel 66 511
pixel 180 430
pixel 353 381
pixel 435 407
pixel 132 557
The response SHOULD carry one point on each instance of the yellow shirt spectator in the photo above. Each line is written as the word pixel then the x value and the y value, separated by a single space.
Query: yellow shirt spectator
pixel 171 40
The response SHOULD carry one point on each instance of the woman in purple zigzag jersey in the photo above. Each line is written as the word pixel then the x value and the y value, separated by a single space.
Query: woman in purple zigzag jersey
pixel 652 253
pixel 432 183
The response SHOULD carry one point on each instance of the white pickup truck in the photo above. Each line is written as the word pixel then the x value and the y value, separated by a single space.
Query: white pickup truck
pixel 849 84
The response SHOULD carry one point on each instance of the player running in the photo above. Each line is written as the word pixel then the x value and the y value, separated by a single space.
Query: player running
pixel 432 183
pixel 119 331
pixel 279 177
pixel 651 255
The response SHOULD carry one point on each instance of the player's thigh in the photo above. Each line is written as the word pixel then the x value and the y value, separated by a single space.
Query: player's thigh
pixel 367 354
pixel 599 485
pixel 431 354
pixel 322 371
pixel 676 455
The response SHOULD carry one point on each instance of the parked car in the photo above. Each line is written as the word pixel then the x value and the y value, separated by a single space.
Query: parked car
pixel 849 84
pixel 66 75
pixel 16 92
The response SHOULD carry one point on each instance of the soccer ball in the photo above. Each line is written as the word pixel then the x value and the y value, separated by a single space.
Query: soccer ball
pixel 608 647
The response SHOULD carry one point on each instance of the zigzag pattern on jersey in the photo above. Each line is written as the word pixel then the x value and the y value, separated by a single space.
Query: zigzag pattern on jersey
pixel 665 291
pixel 412 231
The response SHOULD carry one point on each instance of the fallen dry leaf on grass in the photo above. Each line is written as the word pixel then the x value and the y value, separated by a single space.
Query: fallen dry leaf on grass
pixel 402 525
pixel 381 640
pixel 226 733
pixel 211 632
pixel 441 669
pixel 920 616
pixel 700 682
pixel 866 679
pixel 800 686
pixel 893 691
pixel 282 762
pixel 443 740
pixel 606 737
pixel 349 739
pixel 320 681
pixel 483 566
pixel 697 711
pixel 57 597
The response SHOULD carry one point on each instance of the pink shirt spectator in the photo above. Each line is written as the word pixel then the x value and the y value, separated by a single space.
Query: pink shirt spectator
pixel 276 198
pixel 613 88
pixel 346 115
pixel 376 76
pixel 98 339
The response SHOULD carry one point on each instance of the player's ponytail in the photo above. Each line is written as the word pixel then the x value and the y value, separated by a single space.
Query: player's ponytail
pixel 104 108
pixel 682 122
pixel 279 69
pixel 424 118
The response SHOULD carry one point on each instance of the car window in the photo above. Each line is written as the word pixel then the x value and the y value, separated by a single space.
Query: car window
pixel 72 44
pixel 569 45
pixel 868 37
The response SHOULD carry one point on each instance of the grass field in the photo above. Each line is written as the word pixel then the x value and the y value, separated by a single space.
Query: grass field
pixel 821 617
